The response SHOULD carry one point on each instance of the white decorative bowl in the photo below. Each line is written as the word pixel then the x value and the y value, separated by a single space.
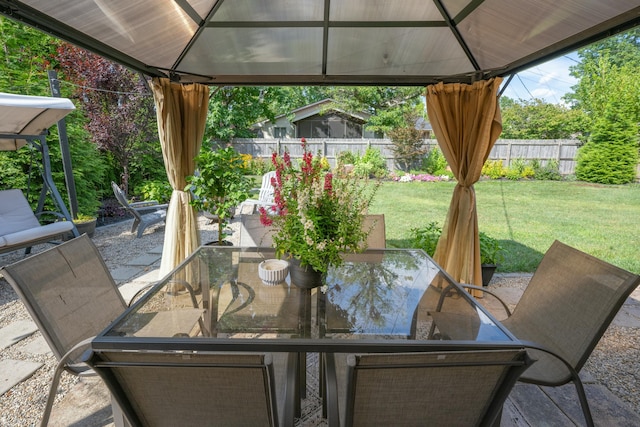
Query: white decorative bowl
pixel 273 271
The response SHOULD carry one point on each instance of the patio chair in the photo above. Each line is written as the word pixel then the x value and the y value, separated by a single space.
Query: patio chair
pixel 198 389
pixel 71 296
pixel 564 311
pixel 265 193
pixel 144 213
pixel 465 388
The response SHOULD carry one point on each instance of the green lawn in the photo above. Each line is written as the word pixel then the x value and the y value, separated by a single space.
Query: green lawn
pixel 526 216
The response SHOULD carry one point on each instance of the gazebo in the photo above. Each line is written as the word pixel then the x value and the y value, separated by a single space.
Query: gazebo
pixel 460 50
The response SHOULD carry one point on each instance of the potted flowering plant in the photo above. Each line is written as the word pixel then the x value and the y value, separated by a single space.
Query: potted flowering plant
pixel 318 214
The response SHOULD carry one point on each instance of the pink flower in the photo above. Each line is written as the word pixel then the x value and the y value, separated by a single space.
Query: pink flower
pixel 264 217
pixel 328 183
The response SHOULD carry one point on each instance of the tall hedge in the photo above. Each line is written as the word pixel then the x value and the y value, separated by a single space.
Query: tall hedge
pixel 611 154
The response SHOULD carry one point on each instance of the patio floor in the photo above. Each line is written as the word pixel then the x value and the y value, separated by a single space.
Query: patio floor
pixel 88 402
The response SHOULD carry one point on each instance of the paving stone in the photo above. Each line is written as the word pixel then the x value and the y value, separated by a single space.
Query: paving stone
pixel 37 346
pixel 15 332
pixel 13 372
pixel 146 259
pixel 123 274
pixel 156 250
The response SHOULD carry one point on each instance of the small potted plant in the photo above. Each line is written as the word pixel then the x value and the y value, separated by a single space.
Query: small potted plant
pixel 491 254
pixel 491 251
pixel 219 185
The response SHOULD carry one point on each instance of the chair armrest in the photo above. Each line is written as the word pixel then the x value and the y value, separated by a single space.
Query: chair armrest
pixel 493 294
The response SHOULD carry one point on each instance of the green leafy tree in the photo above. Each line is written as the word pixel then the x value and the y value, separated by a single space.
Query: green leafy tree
pixel 408 145
pixel 25 57
pixel 536 119
pixel 220 184
pixel 609 92
pixel 387 105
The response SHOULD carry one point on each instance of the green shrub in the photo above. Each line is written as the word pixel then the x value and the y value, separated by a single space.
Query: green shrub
pixel 494 169
pixel 611 154
pixel 548 171
pixel 426 238
pixel 257 165
pixel 346 158
pixel 434 162
pixel 371 164
pixel 155 190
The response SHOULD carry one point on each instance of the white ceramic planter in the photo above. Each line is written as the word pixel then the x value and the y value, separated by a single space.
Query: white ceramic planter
pixel 273 271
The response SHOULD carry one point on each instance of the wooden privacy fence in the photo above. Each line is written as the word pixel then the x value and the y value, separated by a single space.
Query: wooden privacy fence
pixel 507 150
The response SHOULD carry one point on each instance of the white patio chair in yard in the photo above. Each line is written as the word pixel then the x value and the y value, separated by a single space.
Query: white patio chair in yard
pixel 265 194
pixel 145 213
pixel 564 311
pixel 71 296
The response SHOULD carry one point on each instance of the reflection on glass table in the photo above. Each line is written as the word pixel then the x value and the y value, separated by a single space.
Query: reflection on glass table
pixel 375 301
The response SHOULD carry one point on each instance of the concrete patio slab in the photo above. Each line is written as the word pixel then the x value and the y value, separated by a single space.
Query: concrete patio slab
pixel 37 346
pixel 145 260
pixel 16 332
pixel 124 274
pixel 13 372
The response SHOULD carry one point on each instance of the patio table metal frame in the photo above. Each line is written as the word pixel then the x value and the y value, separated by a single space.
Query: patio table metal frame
pixel 403 284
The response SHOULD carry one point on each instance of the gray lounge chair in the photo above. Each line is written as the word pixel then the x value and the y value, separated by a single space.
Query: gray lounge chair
pixel 443 388
pixel 198 389
pixel 144 213
pixel 564 311
pixel 19 226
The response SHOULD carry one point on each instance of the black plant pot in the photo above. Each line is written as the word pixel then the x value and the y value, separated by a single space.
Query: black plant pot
pixel 487 273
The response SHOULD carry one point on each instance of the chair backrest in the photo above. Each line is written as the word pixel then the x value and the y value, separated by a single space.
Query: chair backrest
pixel 15 212
pixel 253 233
pixel 570 301
pixel 266 189
pixel 198 389
pixel 465 388
pixel 122 199
pixel 68 291
pixel 377 238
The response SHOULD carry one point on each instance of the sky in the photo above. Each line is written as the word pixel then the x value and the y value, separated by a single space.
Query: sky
pixel 548 81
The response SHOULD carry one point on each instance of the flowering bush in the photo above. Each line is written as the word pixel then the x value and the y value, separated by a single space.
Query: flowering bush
pixel 317 215
pixel 424 177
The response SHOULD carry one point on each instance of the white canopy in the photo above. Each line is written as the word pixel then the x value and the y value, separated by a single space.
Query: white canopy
pixel 28 116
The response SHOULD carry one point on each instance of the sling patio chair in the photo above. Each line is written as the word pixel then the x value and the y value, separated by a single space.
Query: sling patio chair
pixel 564 311
pixel 144 213
pixel 71 296
pixel 199 389
pixel 441 388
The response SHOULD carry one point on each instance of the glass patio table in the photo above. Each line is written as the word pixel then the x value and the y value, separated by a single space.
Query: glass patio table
pixel 389 300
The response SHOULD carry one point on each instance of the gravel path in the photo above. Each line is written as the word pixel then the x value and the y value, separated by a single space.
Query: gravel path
pixel 615 362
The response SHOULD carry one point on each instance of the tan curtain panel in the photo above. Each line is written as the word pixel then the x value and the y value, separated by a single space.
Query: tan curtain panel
pixel 466 121
pixel 181 111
